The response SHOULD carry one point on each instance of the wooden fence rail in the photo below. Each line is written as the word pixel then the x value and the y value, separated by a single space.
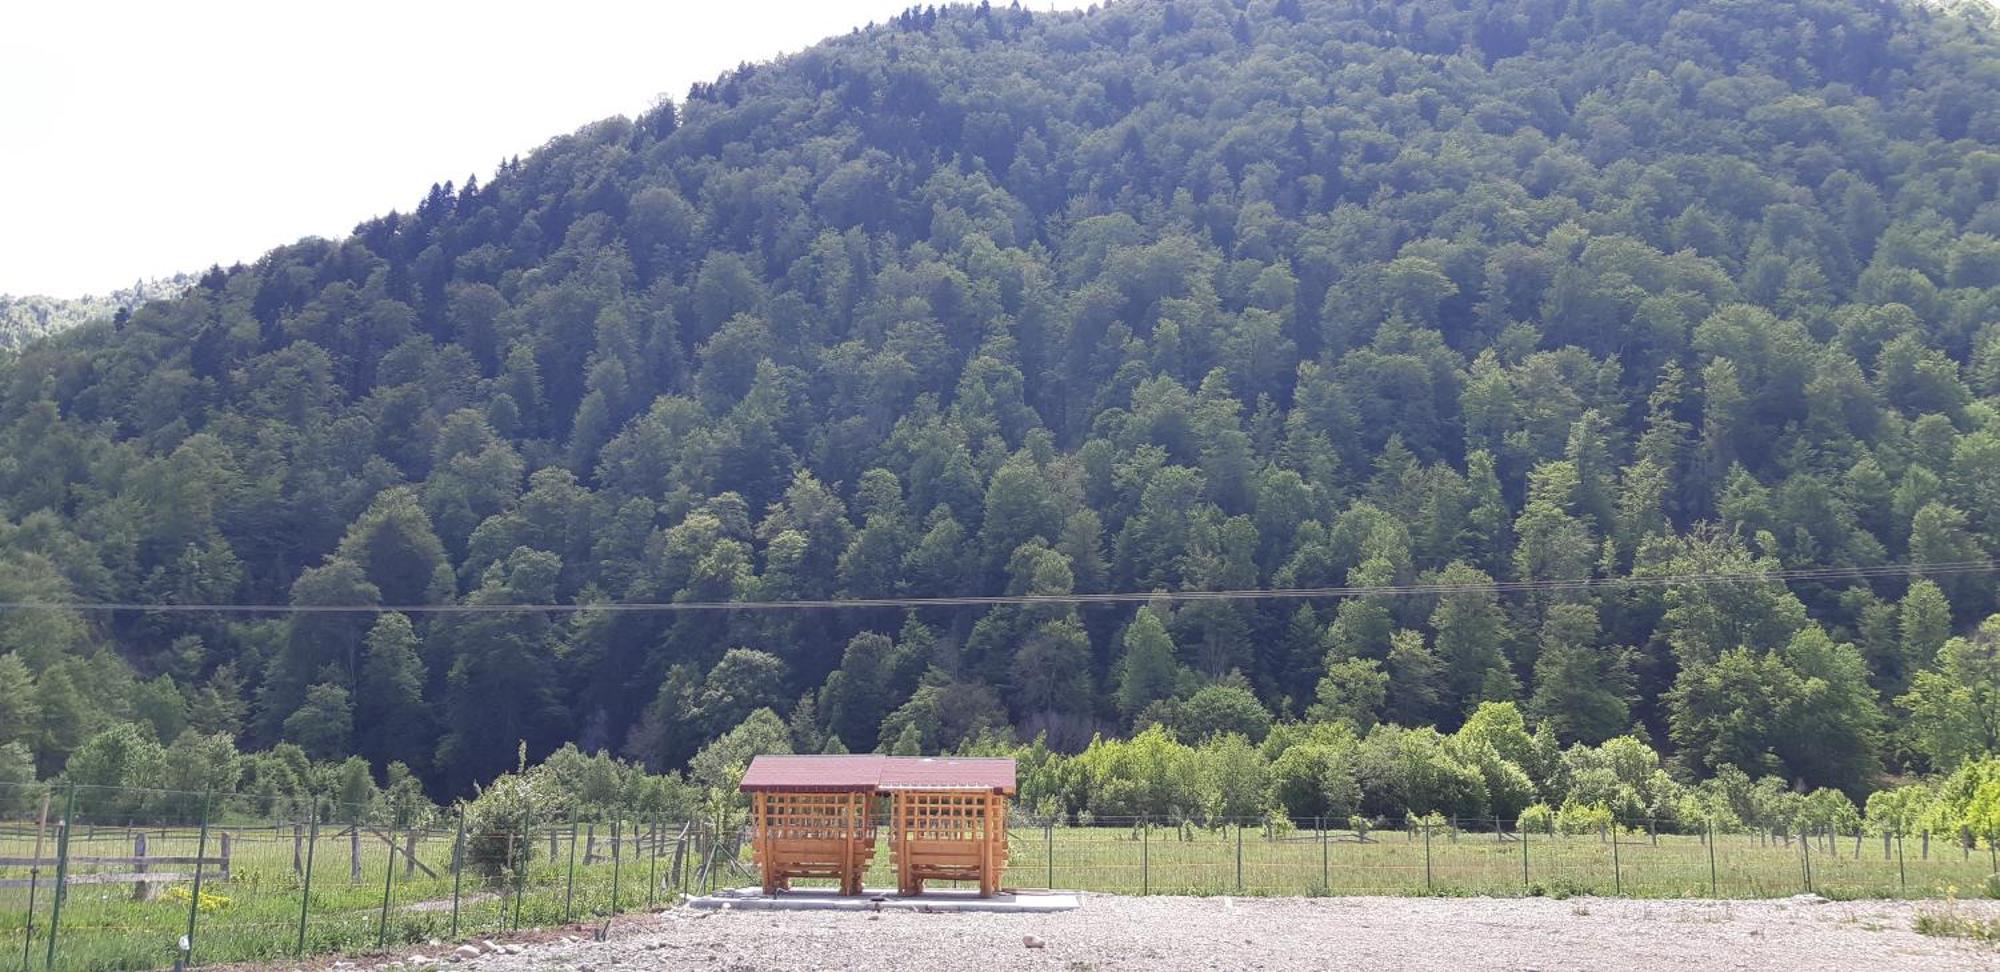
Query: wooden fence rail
pixel 142 877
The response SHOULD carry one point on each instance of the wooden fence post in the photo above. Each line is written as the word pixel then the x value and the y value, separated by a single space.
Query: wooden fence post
pixel 354 854
pixel 227 844
pixel 141 891
pixel 298 848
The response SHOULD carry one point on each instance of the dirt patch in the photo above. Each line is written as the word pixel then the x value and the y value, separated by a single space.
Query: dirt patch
pixel 444 904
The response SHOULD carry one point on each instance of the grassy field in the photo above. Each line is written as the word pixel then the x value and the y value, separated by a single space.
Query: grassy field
pixel 254 913
pixel 1168 861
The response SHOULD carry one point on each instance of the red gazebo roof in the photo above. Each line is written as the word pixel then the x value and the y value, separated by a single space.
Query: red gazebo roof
pixel 871 773
pixel 813 774
pixel 990 773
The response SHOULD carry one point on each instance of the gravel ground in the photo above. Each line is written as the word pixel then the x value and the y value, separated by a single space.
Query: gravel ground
pixel 1457 934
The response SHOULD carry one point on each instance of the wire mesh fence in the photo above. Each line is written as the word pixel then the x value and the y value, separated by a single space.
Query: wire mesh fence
pixel 101 878
pixel 1633 858
pixel 95 878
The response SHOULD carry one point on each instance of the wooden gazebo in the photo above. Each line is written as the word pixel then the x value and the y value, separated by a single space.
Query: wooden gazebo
pixel 948 820
pixel 816 816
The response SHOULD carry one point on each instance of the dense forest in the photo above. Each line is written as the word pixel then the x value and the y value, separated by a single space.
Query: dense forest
pixel 1171 295
pixel 23 319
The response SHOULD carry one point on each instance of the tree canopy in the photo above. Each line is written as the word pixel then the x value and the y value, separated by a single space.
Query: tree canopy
pixel 1166 296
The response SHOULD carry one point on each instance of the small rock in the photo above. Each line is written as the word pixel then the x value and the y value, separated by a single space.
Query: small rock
pixel 1033 941
pixel 510 949
pixel 1806 899
pixel 464 952
pixel 488 945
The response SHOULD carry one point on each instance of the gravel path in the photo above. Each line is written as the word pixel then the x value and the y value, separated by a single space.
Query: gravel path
pixel 1456 934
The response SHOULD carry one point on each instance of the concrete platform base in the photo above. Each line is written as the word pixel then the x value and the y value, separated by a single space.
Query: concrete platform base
pixel 824 899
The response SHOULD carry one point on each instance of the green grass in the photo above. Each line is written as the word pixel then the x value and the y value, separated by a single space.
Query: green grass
pixel 256 911
pixel 1947 922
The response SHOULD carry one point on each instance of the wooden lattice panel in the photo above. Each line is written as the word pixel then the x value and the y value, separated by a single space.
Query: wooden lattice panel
pixel 809 816
pixel 949 836
pixel 820 835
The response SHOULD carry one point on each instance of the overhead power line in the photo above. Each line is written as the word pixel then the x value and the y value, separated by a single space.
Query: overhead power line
pixel 1027 600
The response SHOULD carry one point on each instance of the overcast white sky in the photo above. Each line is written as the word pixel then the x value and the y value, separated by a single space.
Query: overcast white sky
pixel 138 139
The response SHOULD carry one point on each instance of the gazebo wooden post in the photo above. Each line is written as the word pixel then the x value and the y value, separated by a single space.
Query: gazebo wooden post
pixel 989 878
pixel 899 842
pixel 850 882
pixel 762 837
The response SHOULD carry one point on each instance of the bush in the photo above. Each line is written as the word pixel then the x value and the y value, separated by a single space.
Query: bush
pixel 503 816
pixel 1583 818
pixel 1314 780
pixel 1538 817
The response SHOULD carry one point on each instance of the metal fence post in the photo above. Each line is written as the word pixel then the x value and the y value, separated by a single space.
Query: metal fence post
pixel 1713 888
pixel 1239 855
pixel 388 880
pixel 1527 887
pixel 457 869
pixel 194 900
pixel 569 888
pixel 34 880
pixel 1805 858
pixel 1617 872
pixel 62 873
pixel 1145 856
pixel 1427 857
pixel 521 868
pixel 1325 862
pixel 306 885
pixel 614 863
pixel 653 867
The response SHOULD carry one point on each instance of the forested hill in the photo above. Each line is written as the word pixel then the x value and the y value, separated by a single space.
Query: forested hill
pixel 1174 294
pixel 23 319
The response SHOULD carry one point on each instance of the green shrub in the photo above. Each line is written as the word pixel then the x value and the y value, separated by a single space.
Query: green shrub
pixel 501 820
